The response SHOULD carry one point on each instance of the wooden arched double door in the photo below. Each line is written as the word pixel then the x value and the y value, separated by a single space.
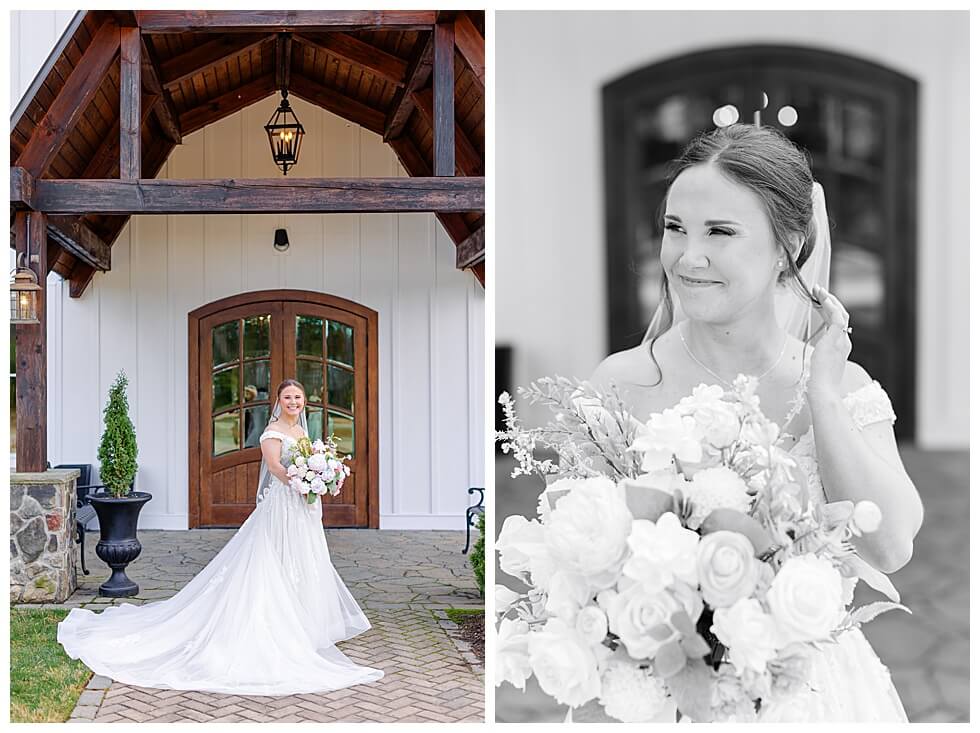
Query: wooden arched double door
pixel 240 349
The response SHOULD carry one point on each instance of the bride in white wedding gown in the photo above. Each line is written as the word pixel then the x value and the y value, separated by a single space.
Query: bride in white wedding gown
pixel 746 257
pixel 262 618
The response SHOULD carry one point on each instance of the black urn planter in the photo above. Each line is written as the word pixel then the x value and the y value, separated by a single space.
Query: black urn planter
pixel 118 545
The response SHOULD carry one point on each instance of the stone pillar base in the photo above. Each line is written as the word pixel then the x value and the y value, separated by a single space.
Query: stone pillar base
pixel 42 536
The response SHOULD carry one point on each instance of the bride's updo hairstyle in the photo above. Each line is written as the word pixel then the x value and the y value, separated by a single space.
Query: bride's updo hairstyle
pixel 766 162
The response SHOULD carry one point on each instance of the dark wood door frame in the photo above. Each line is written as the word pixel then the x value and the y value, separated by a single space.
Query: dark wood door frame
pixel 195 436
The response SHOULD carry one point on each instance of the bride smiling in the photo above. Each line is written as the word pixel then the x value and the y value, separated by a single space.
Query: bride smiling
pixel 746 259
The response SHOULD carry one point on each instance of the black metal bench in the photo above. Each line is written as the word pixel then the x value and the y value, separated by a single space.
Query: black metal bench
pixel 472 512
pixel 84 513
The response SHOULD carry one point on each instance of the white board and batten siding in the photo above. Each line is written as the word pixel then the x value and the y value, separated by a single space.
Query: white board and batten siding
pixel 430 320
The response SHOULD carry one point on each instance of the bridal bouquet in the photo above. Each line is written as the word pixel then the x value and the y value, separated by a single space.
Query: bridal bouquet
pixel 316 469
pixel 674 564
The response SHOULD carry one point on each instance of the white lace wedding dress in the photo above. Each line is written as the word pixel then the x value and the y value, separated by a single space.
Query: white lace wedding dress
pixel 848 683
pixel 261 618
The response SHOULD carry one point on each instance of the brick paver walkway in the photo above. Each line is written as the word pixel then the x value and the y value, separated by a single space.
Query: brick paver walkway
pixel 928 652
pixel 400 578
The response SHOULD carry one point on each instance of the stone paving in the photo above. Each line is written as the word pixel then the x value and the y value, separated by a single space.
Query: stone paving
pixel 928 652
pixel 402 580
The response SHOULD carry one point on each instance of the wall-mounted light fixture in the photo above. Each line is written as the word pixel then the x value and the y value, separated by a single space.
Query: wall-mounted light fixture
pixel 281 240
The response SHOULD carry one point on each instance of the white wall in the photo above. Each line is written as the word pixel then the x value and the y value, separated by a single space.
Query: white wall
pixel 32 36
pixel 403 266
pixel 550 243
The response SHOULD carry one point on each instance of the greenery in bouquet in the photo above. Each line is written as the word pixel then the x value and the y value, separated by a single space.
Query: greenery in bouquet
pixel 678 564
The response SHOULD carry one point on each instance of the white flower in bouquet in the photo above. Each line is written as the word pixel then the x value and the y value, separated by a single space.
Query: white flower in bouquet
pixel 310 475
pixel 726 568
pixel 662 552
pixel 567 594
pixel 587 530
pixel 566 665
pixel 319 446
pixel 317 486
pixel 806 599
pixel 317 462
pixel 715 488
pixel 729 699
pixel 292 471
pixel 300 461
pixel 504 598
pixel 513 664
pixel 866 518
pixel 632 694
pixel 748 632
pixel 666 435
pixel 640 617
pixel 522 548
pixel 717 417
pixel 592 624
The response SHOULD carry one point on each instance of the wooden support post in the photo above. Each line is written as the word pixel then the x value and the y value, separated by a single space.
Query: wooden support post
pixel 444 114
pixel 30 229
pixel 130 121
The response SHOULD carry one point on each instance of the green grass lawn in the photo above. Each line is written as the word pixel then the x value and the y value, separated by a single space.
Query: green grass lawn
pixel 459 615
pixel 44 682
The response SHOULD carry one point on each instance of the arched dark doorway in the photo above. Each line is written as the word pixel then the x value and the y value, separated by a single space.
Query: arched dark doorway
pixel 858 122
pixel 240 348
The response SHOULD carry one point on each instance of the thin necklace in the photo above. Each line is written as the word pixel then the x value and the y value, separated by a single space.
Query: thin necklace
pixel 704 366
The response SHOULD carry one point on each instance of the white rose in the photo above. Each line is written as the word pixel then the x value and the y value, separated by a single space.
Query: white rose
pixel 748 632
pixel 806 599
pixel 715 488
pixel 666 435
pixel 640 617
pixel 592 624
pixel 301 461
pixel 503 598
pixel 566 666
pixel 662 552
pixel 317 485
pixel 522 547
pixel 634 695
pixel 587 530
pixel 727 568
pixel 512 665
pixel 309 476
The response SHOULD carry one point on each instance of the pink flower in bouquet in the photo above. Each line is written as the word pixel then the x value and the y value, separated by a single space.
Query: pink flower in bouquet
pixel 727 568
pixel 806 599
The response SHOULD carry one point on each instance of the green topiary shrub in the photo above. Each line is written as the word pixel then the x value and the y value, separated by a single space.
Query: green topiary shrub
pixel 117 451
pixel 477 557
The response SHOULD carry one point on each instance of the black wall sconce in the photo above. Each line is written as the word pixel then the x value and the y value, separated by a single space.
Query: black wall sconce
pixel 281 241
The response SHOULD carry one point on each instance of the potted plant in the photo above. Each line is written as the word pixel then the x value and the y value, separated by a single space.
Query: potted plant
pixel 118 506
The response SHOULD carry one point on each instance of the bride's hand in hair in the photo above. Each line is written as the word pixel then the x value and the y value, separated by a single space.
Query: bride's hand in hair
pixel 831 346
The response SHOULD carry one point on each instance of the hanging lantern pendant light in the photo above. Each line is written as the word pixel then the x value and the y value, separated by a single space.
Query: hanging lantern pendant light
pixel 285 135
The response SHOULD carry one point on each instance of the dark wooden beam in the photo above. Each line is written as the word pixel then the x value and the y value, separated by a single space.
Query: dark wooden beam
pixel 480 272
pixel 418 73
pixel 106 158
pixel 82 84
pixel 130 91
pixel 163 107
pixel 75 236
pixel 468 158
pixel 338 103
pixel 229 103
pixel 471 46
pixel 416 165
pixel 79 279
pixel 206 55
pixel 60 262
pixel 284 54
pixel 21 188
pixel 260 196
pixel 32 352
pixel 471 250
pixel 443 91
pixel 358 53
pixel 231 21
pixel 125 18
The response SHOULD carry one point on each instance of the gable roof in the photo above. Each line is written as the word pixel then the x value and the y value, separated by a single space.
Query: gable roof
pixel 374 74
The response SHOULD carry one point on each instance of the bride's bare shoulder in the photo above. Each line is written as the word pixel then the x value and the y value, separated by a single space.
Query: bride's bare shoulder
pixel 634 366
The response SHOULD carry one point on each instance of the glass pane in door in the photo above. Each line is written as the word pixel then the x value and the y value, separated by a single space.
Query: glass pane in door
pixel 340 343
pixel 226 433
pixel 309 336
pixel 340 387
pixel 256 336
pixel 224 344
pixel 342 428
pixel 224 389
